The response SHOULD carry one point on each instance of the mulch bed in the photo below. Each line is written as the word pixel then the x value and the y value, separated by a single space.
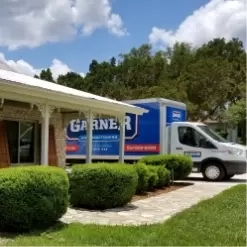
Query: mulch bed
pixel 160 191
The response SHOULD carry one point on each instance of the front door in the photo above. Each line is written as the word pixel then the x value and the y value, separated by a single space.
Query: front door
pixel 20 135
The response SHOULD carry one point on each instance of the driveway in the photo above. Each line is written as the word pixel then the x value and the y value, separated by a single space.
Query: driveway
pixel 197 178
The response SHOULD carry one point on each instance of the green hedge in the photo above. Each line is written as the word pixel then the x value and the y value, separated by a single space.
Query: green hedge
pixel 32 197
pixel 180 164
pixel 143 177
pixel 102 186
pixel 151 177
pixel 164 177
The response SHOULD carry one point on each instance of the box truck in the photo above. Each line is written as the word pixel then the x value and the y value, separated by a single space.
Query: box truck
pixel 163 130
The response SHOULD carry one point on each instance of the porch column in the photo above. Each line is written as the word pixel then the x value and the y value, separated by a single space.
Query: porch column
pixel 46 111
pixel 89 117
pixel 121 138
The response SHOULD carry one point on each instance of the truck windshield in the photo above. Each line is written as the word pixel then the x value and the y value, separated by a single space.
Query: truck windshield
pixel 212 134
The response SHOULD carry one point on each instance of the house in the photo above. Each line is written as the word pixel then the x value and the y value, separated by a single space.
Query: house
pixel 34 115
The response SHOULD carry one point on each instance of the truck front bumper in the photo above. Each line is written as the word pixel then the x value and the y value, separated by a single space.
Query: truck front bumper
pixel 235 167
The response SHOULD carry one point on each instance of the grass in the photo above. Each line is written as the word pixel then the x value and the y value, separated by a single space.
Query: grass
pixel 220 221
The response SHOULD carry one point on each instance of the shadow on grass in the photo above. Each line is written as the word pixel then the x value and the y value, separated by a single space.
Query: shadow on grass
pixel 8 236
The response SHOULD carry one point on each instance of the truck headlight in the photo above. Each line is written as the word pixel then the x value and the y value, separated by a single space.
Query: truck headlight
pixel 235 151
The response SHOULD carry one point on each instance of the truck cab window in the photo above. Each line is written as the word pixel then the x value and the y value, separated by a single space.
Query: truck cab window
pixel 190 137
pixel 187 136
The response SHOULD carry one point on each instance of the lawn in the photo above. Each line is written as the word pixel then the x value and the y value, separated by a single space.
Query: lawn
pixel 220 221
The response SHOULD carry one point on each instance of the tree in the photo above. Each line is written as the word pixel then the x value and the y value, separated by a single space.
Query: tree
pixel 214 79
pixel 236 113
pixel 100 77
pixel 234 54
pixel 181 55
pixel 208 79
pixel 73 80
pixel 46 75
pixel 206 83
pixel 220 49
pixel 236 116
pixel 140 70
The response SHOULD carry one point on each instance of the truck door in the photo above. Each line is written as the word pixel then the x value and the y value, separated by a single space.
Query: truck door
pixel 185 139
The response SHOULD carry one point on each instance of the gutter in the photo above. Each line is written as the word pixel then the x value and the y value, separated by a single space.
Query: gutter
pixel 42 91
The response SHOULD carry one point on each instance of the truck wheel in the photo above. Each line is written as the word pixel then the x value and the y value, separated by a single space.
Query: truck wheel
pixel 213 172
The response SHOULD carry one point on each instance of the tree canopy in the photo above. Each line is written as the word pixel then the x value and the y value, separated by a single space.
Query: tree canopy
pixel 209 79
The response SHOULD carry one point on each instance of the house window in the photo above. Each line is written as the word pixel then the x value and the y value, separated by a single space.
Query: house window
pixel 20 136
pixel 12 129
pixel 26 142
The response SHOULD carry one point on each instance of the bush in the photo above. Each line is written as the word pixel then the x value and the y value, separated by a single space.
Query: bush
pixel 180 164
pixel 102 186
pixel 32 197
pixel 153 177
pixel 143 177
pixel 164 177
pixel 150 177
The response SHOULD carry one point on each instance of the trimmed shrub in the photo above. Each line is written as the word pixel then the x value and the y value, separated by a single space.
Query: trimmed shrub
pixel 154 160
pixel 164 177
pixel 143 177
pixel 150 177
pixel 180 164
pixel 102 186
pixel 32 197
pixel 153 177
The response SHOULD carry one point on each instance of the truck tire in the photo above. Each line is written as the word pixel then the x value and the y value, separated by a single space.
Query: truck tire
pixel 213 171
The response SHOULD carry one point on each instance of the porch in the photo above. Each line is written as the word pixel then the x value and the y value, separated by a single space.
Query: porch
pixel 34 115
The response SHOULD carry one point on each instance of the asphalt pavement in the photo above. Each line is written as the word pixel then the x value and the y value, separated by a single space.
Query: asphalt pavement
pixel 197 178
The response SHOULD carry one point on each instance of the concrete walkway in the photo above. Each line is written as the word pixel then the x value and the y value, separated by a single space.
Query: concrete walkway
pixel 151 210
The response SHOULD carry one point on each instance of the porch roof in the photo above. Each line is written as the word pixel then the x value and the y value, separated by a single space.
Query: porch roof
pixel 21 87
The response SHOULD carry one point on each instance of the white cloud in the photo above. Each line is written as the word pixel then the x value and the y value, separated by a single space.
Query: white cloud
pixel 25 23
pixel 217 19
pixel 57 67
pixel 94 14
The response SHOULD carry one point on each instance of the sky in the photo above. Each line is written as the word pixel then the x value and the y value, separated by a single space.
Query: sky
pixel 65 35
